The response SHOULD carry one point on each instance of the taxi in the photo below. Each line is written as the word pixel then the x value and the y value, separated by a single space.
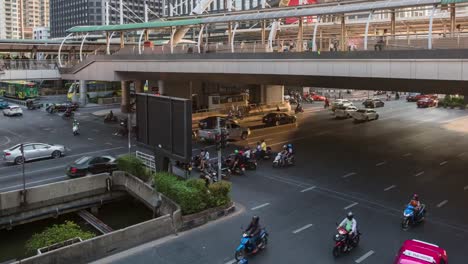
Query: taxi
pixel 420 252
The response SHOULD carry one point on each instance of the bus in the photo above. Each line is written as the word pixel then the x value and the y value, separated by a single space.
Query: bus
pixel 95 89
pixel 19 89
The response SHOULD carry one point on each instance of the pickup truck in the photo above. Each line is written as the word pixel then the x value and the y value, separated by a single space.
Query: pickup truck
pixel 232 128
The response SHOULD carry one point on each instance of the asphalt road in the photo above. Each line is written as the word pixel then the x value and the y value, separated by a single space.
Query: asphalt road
pixel 370 168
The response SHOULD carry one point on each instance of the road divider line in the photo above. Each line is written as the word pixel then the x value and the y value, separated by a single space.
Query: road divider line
pixel 389 188
pixel 380 163
pixel 349 175
pixel 365 256
pixel 444 202
pixel 90 139
pixel 461 154
pixel 443 163
pixel 108 143
pixel 302 228
pixel 407 154
pixel 28 172
pixel 232 261
pixel 309 189
pixel 351 205
pixel 419 173
pixel 260 206
pixel 427 147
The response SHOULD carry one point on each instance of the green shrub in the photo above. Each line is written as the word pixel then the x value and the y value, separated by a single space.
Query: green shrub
pixel 192 195
pixel 133 165
pixel 56 234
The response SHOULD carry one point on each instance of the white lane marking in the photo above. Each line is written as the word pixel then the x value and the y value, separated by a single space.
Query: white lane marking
pixel 260 206
pixel 427 147
pixel 465 188
pixel 419 174
pixel 27 172
pixel 96 130
pixel 461 154
pixel 443 163
pixel 442 203
pixel 232 261
pixel 349 175
pixel 107 143
pixel 361 259
pixel 380 163
pixel 407 154
pixel 351 205
pixel 389 188
pixel 90 139
pixel 302 228
pixel 34 182
pixel 309 189
pixel 454 119
pixel 8 140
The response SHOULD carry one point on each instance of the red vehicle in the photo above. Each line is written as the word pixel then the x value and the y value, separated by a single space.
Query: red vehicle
pixel 414 97
pixel 426 102
pixel 419 252
pixel 317 97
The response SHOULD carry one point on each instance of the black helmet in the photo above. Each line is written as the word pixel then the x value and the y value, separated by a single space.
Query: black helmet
pixel 255 219
pixel 350 216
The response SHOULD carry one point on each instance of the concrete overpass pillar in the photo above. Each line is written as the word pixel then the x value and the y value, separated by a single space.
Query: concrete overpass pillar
pixel 272 94
pixel 161 87
pixel 124 106
pixel 83 92
pixel 139 86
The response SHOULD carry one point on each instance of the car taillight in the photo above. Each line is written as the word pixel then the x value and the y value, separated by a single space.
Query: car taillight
pixel 73 170
pixel 7 154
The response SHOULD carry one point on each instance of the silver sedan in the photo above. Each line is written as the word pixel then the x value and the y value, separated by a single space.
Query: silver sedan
pixel 32 151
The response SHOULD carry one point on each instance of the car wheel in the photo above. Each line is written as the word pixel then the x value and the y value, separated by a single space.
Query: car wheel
pixel 367 118
pixel 376 117
pixel 19 160
pixel 277 123
pixel 56 154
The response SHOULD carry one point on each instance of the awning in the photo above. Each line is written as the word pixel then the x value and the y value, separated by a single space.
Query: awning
pixel 136 26
pixel 444 2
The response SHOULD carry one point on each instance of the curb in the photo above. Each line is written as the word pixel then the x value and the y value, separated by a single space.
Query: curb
pixel 206 216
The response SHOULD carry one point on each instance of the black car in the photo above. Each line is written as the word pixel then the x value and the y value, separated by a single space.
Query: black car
pixel 276 119
pixel 88 165
pixel 211 122
pixel 53 108
pixel 372 103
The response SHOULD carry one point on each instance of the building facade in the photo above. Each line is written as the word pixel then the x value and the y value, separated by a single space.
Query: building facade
pixel 41 33
pixel 65 14
pixel 10 19
pixel 19 17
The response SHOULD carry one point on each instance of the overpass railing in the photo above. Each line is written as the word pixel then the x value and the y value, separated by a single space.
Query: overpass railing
pixel 27 64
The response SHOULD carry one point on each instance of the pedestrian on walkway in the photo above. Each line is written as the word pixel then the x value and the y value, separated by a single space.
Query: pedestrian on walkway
pixel 7 62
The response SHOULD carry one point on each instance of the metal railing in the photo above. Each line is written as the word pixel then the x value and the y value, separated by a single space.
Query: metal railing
pixel 27 64
pixel 148 160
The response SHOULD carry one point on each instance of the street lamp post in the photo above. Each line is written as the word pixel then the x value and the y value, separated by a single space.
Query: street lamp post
pixel 23 196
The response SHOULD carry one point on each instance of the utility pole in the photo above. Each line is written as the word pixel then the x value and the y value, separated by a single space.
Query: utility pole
pixel 23 200
pixel 107 13
pixel 121 12
pixel 219 148
pixel 129 128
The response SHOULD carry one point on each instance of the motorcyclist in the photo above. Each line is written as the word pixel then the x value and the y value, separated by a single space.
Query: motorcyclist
pixel 415 203
pixel 110 116
pixel 77 125
pixel 237 159
pixel 350 224
pixel 247 153
pixel 68 112
pixel 204 158
pixel 264 147
pixel 254 230
pixel 326 103
pixel 258 149
pixel 298 108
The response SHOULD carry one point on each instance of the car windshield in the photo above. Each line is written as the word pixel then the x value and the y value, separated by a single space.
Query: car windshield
pixel 82 160
pixel 361 111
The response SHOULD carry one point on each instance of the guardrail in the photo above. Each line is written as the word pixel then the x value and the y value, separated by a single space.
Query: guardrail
pixel 148 160
pixel 27 64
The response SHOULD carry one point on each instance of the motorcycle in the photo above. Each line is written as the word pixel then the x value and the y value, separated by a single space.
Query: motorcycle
pixel 68 115
pixel 110 118
pixel 341 244
pixel 76 129
pixel 247 247
pixel 264 155
pixel 279 161
pixel 299 110
pixel 409 218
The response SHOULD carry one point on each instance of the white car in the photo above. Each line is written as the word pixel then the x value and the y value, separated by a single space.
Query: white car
pixel 13 110
pixel 32 151
pixel 365 115
pixel 345 112
pixel 341 103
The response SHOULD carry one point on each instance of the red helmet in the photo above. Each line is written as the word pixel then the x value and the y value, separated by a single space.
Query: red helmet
pixel 415 197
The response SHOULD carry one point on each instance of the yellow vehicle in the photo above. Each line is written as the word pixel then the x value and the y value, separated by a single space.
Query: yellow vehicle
pixel 95 89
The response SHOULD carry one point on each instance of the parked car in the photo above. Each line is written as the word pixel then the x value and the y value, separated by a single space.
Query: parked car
pixel 414 97
pixel 341 103
pixel 365 115
pixel 62 107
pixel 32 151
pixel 317 97
pixel 13 110
pixel 276 119
pixel 3 104
pixel 231 128
pixel 426 102
pixel 419 252
pixel 345 112
pixel 211 122
pixel 91 165
pixel 373 103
